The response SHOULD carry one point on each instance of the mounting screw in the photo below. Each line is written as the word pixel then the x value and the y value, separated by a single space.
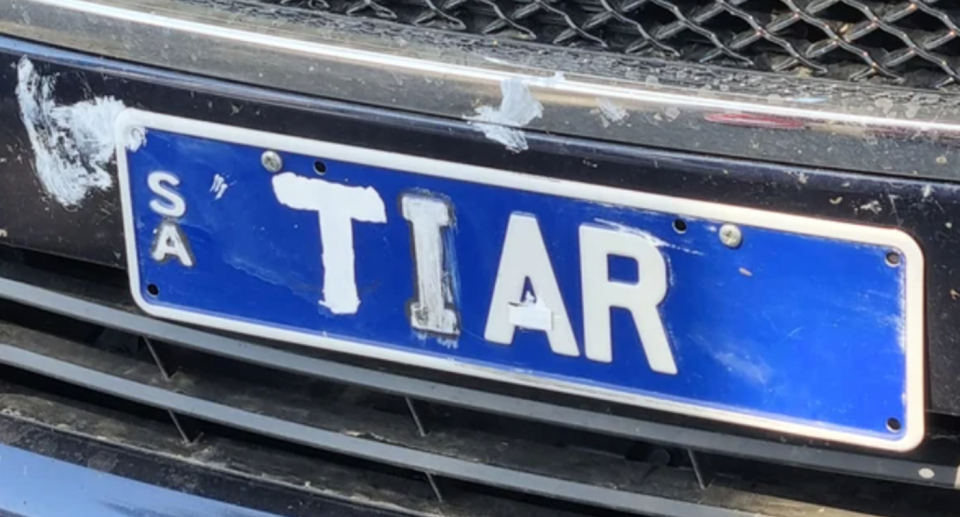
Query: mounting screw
pixel 730 236
pixel 893 259
pixel 271 161
pixel 137 136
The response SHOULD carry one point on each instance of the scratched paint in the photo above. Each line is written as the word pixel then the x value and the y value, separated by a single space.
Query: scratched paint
pixel 219 186
pixel 73 145
pixel 653 239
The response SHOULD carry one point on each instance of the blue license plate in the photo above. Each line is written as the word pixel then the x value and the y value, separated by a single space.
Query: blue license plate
pixel 769 320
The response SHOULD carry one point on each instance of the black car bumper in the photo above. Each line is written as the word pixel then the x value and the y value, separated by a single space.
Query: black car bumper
pixel 84 371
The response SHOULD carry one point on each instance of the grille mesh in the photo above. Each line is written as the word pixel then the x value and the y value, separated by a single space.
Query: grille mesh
pixel 907 42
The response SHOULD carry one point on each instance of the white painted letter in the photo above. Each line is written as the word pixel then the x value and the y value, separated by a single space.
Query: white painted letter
pixel 170 241
pixel 162 184
pixel 524 257
pixel 641 299
pixel 337 207
pixel 430 310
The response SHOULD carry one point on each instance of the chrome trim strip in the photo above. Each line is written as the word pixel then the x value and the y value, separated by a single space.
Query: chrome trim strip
pixel 688 108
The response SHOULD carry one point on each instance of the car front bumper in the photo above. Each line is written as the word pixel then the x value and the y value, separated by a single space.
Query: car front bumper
pixel 37 485
pixel 858 154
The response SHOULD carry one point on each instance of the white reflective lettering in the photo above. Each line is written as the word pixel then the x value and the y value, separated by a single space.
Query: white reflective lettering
pixel 430 311
pixel 170 242
pixel 337 207
pixel 524 257
pixel 600 294
pixel 162 184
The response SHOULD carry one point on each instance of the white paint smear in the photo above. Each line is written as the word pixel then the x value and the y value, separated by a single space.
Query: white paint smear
pixel 801 176
pixel 872 206
pixel 517 109
pixel 610 112
pixel 72 145
pixel 219 186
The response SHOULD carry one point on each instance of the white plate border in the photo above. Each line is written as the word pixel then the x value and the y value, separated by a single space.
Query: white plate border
pixel 131 119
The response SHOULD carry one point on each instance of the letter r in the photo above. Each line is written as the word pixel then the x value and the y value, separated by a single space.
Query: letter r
pixel 600 294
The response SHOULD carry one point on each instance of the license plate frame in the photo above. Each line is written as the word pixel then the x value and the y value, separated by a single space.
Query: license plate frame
pixel 132 121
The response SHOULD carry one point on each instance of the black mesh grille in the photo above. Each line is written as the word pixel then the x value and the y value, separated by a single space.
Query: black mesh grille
pixel 908 42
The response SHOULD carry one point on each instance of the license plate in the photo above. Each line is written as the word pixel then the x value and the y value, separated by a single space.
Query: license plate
pixel 781 322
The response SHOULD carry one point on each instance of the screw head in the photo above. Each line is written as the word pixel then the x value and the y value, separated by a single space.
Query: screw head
pixel 271 161
pixel 893 259
pixel 137 135
pixel 730 235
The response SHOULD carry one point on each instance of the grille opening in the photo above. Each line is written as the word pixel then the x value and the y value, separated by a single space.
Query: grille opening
pixel 652 14
pixel 801 33
pixel 950 46
pixel 707 31
pixel 725 23
pixel 925 23
pixel 59 389
pixel 839 14
pixel 79 278
pixel 56 324
pixel 66 268
pixel 882 42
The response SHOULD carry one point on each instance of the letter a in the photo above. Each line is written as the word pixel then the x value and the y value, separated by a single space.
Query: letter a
pixel 524 257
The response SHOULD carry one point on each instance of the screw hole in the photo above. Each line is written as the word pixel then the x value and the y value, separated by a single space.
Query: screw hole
pixel 894 425
pixel 893 259
pixel 153 290
pixel 679 226
pixel 319 167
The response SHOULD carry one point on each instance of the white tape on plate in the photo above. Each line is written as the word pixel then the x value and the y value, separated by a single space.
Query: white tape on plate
pixel 531 317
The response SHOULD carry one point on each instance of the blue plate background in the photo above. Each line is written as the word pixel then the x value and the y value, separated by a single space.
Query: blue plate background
pixel 799 328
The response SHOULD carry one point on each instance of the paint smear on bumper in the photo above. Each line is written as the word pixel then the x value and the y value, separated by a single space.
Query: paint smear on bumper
pixel 72 145
pixel 517 109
